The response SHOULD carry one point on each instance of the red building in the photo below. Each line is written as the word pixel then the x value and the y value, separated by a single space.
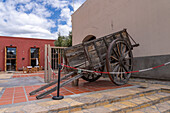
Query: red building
pixel 17 52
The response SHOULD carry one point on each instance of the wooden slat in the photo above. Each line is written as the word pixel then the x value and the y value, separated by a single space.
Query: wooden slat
pixel 94 51
pixel 75 55
pixel 49 59
pixel 58 47
pixel 45 67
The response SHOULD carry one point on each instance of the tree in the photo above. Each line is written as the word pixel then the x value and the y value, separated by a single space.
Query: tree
pixel 64 41
pixel 59 41
pixel 69 40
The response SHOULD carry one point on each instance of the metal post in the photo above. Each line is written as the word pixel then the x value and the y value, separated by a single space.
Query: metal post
pixel 58 97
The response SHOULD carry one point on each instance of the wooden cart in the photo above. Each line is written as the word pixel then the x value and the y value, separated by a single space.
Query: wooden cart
pixel 113 51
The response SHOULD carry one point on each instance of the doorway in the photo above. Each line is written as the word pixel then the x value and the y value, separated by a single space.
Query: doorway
pixel 10 59
pixel 34 57
pixel 89 38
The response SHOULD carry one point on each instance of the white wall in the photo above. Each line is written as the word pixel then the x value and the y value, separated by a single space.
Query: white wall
pixel 147 21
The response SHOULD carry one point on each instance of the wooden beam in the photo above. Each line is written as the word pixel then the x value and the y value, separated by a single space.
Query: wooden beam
pixel 49 60
pixel 45 65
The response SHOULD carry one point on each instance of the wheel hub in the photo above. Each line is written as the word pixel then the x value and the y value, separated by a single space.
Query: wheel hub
pixel 121 61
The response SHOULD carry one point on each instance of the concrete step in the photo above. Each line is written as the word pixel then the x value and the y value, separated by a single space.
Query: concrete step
pixel 126 99
pixel 163 107
pixel 133 103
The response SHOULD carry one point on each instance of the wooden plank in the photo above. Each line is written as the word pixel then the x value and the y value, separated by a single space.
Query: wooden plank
pixel 50 84
pixel 98 52
pixel 109 40
pixel 45 67
pixel 94 50
pixel 49 60
pixel 58 47
pixel 104 39
pixel 94 58
pixel 73 50
pixel 55 88
pixel 102 49
pixel 79 58
pixel 75 55
pixel 74 61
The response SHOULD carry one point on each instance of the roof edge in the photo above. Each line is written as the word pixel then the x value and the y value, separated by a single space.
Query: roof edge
pixel 25 38
pixel 79 7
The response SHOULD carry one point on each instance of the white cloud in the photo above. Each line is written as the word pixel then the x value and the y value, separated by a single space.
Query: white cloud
pixel 15 22
pixel 26 18
pixel 64 29
pixel 57 3
pixel 65 17
pixel 78 3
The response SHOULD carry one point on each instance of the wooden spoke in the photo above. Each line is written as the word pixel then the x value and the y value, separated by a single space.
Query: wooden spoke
pixel 126 54
pixel 116 53
pixel 115 69
pixel 114 64
pixel 114 58
pixel 121 74
pixel 118 49
pixel 124 49
pixel 121 48
pixel 125 68
pixel 128 58
pixel 91 77
pixel 117 75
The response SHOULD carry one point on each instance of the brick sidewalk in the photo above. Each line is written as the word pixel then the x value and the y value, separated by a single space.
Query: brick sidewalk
pixel 20 94
pixel 123 100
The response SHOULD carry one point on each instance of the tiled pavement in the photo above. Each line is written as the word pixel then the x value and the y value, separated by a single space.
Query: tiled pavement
pixel 18 75
pixel 12 95
pixel 21 94
pixel 130 98
pixel 123 100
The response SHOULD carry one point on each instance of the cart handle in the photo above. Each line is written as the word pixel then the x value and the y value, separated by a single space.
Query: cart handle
pixel 135 45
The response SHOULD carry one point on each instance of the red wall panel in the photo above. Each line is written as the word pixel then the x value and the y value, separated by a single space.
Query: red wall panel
pixel 23 49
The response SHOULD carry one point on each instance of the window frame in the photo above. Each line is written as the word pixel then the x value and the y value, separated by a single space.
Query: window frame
pixel 34 58
pixel 10 58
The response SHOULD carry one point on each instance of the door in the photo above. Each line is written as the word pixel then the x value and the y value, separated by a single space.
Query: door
pixel 10 58
pixel 35 57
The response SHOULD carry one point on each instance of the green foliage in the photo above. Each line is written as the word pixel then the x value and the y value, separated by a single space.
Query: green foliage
pixel 64 41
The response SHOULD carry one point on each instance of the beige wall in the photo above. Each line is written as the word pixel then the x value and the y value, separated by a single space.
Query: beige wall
pixel 147 21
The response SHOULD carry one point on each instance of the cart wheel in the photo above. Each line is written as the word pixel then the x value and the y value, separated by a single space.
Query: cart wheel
pixel 119 59
pixel 91 77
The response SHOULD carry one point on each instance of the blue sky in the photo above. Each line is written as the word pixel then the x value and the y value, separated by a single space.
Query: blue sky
pixel 36 18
